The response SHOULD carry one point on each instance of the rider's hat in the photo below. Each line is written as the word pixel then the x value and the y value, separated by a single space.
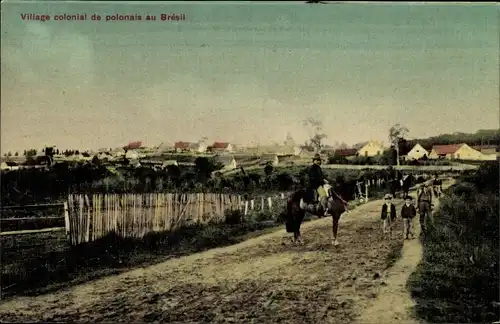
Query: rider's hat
pixel 388 196
pixel 317 157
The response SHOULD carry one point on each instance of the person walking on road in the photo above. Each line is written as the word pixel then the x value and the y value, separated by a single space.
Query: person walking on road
pixel 408 212
pixel 424 207
pixel 388 214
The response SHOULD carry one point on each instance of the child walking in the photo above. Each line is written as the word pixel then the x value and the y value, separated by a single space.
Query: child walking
pixel 388 214
pixel 408 212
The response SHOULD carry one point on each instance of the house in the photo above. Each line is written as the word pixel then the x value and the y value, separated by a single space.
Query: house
pixel 455 151
pixel 289 141
pixel 269 158
pixel 490 152
pixel 79 157
pixel 104 156
pixel 132 155
pixel 416 153
pixel 5 166
pixel 133 145
pixel 197 147
pixel 288 160
pixel 372 148
pixel 297 150
pixel 181 146
pixel 346 153
pixel 164 147
pixel 222 147
pixel 228 162
pixel 487 149
pixel 169 162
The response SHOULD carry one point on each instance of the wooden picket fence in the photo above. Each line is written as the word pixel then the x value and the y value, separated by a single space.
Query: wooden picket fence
pixel 134 215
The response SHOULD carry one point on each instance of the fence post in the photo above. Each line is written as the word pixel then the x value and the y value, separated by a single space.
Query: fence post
pixel 262 204
pixel 252 204
pixel 270 202
pixel 66 222
pixel 246 207
pixel 366 191
pixel 282 195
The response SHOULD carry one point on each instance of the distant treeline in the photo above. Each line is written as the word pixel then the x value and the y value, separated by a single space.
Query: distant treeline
pixel 481 137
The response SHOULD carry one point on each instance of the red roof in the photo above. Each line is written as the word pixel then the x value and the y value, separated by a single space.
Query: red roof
pixel 346 152
pixel 181 145
pixel 447 149
pixel 220 145
pixel 133 145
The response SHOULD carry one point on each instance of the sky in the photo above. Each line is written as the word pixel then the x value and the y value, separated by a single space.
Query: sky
pixel 245 72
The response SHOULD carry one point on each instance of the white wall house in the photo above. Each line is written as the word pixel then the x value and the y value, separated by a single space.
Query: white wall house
pixel 417 152
pixel 456 151
pixel 371 148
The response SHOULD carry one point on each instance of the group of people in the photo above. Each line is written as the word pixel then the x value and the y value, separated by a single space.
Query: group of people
pixel 408 212
pixel 423 206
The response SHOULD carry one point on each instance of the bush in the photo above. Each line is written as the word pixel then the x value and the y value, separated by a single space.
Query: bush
pixel 458 280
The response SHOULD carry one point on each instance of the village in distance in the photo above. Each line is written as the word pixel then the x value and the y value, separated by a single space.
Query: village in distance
pixel 442 150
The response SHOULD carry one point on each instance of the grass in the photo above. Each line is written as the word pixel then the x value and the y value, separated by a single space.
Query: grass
pixel 43 262
pixel 458 280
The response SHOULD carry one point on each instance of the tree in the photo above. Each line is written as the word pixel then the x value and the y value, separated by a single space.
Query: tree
pixel 396 134
pixel 9 153
pixel 95 160
pixel 205 166
pixel 30 153
pixel 16 154
pixel 316 133
pixel 49 153
pixel 268 169
pixel 343 146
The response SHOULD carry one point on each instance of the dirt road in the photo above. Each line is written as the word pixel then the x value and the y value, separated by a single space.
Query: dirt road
pixel 262 280
pixel 394 303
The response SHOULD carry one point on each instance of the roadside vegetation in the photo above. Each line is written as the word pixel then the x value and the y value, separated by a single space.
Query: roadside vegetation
pixel 42 262
pixel 458 279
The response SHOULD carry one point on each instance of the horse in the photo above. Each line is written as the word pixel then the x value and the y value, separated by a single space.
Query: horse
pixel 297 208
pixel 406 183
pixel 437 187
pixel 393 186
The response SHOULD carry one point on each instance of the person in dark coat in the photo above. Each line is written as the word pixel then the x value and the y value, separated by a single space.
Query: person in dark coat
pixel 424 201
pixel 408 212
pixel 316 183
pixel 388 214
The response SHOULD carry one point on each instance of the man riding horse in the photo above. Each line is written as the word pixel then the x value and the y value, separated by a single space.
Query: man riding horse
pixel 318 194
pixel 302 201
